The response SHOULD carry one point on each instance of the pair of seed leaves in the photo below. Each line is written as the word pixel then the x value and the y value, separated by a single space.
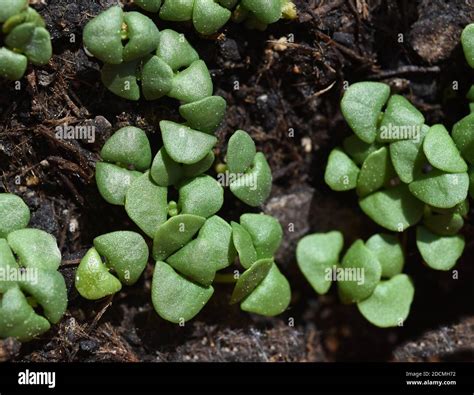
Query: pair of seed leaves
pixel 29 259
pixel 26 39
pixel 384 303
pixel 126 254
pixel 174 69
pixel 186 267
pixel 209 16
pixel 185 156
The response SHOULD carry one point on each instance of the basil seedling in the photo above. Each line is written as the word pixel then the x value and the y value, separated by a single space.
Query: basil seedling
pixel 369 274
pixel 25 38
pixel 403 170
pixel 209 16
pixel 29 260
pixel 125 253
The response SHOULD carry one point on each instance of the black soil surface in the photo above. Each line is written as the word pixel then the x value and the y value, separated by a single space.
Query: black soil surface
pixel 283 86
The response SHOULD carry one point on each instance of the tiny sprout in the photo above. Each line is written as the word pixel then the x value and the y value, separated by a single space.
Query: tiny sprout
pixel 126 253
pixel 389 305
pixel 439 252
pixel 104 36
pixel 26 39
pixel 29 259
pixel 252 181
pixel 361 107
pixel 361 275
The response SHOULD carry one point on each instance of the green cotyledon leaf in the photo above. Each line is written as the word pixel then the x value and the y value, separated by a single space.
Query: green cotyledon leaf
pixel 271 297
pixel 254 186
pixel 121 79
pixel 464 138
pixel 388 250
pixel 48 288
pixel 175 298
pixel 439 189
pixel 7 262
pixel 316 255
pixel 467 41
pixel 12 65
pixel 244 245
pixel 192 84
pixel 175 234
pixel 408 157
pixel 395 209
pixel 156 78
pixel 365 273
pixel 205 115
pixel 241 152
pixel 444 224
pixel 441 151
pixel 142 35
pixel 147 204
pixel 18 319
pixel 149 5
pixel 266 11
pixel 439 252
pixel 341 172
pixel 113 182
pixel 125 252
pixel 209 16
pixel 185 145
pixel 177 10
pixel 471 182
pixel 26 16
pixel 128 146
pixel 250 279
pixel 266 233
pixel 211 251
pixel 93 280
pixel 14 214
pixel 361 107
pixel 359 150
pixel 389 305
pixel 33 41
pixel 175 50
pixel 376 171
pixel 192 261
pixel 401 121
pixel 8 8
pixel 35 249
pixel 102 36
pixel 216 237
pixel 202 196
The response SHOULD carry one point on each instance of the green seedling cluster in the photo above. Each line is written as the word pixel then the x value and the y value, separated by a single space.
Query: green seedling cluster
pixel 141 60
pixel 32 292
pixel 369 274
pixel 405 172
pixel 209 16
pixel 191 243
pixel 25 39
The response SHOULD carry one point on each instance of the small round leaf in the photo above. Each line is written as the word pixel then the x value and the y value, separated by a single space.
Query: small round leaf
pixel 389 305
